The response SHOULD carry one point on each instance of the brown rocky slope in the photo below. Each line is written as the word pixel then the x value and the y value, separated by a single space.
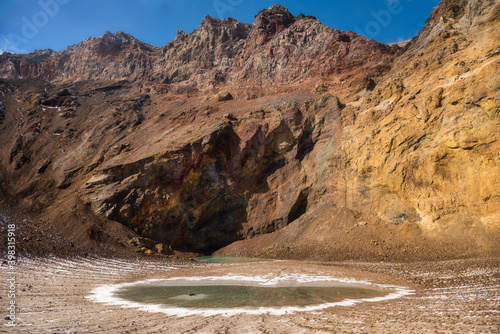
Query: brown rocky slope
pixel 284 138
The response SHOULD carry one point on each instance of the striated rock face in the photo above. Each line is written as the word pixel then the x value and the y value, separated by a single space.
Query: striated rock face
pixel 432 126
pixel 111 56
pixel 206 55
pixel 281 138
pixel 282 49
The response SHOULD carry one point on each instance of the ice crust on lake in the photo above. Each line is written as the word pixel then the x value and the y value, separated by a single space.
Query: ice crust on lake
pixel 107 294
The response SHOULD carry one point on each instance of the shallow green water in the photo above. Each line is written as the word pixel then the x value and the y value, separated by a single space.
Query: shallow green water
pixel 224 259
pixel 225 294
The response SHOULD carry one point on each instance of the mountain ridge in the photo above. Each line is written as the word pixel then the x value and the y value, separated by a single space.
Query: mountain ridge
pixel 189 53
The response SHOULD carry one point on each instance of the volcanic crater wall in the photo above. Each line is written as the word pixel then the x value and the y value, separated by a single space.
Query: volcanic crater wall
pixel 281 138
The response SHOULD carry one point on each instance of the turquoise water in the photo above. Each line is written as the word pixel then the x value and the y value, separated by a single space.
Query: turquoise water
pixel 233 294
pixel 224 259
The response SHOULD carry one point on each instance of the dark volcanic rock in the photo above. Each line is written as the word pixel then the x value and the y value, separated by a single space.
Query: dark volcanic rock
pixel 273 20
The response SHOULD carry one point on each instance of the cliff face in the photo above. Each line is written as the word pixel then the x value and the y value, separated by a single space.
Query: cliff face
pixel 432 125
pixel 279 138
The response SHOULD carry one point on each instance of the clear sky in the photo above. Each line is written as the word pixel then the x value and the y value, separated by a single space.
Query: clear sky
pixel 26 25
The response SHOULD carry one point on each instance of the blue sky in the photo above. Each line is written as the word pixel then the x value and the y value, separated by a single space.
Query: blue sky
pixel 26 25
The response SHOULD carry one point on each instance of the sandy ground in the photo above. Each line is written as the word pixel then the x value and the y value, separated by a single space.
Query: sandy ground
pixel 461 296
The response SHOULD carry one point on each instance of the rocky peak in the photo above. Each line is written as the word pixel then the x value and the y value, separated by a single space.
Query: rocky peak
pixel 210 47
pixel 451 9
pixel 303 17
pixel 228 28
pixel 209 21
pixel 115 41
pixel 118 38
pixel 273 20
pixel 179 35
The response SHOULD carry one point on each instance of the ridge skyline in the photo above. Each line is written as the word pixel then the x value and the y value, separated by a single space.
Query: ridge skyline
pixel 14 39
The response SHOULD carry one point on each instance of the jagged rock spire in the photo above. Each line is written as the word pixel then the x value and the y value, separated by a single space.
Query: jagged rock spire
pixel 273 20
